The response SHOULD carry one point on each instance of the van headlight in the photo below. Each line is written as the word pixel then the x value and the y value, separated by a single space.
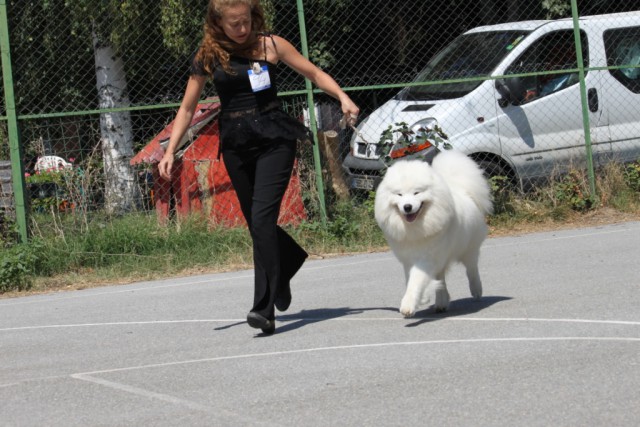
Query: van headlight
pixel 361 147
pixel 424 127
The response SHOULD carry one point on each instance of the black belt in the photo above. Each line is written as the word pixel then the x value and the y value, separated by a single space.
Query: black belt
pixel 252 111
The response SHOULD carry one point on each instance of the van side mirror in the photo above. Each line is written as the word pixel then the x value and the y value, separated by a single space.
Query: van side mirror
pixel 504 92
pixel 512 91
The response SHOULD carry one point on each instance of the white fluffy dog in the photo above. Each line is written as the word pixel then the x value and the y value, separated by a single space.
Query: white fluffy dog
pixel 433 216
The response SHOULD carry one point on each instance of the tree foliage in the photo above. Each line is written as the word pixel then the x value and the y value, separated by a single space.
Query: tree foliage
pixel 556 8
pixel 357 41
pixel 179 20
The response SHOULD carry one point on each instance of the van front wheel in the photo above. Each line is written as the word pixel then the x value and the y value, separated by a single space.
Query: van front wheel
pixel 492 169
pixel 501 182
pixel 496 172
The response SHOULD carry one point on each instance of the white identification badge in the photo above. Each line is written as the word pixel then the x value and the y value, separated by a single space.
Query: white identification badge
pixel 259 78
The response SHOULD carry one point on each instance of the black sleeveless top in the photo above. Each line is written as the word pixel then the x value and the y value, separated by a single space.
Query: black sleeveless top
pixel 250 119
pixel 235 89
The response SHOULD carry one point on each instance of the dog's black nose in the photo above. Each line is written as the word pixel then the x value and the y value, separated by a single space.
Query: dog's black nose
pixel 408 208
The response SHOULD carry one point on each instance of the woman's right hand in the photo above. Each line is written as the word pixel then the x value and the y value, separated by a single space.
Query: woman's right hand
pixel 165 166
pixel 350 111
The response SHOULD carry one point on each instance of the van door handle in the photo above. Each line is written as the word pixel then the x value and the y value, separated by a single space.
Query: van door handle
pixel 592 96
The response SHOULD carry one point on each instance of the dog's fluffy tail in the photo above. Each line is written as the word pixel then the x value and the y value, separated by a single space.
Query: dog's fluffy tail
pixel 465 174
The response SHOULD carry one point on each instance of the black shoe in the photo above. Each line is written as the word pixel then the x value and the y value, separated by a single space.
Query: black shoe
pixel 271 329
pixel 283 299
pixel 258 321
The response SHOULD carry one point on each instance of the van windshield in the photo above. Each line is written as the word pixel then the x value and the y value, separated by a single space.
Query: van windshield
pixel 469 55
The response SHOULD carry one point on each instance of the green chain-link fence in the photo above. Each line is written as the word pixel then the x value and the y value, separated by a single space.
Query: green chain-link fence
pixel 89 88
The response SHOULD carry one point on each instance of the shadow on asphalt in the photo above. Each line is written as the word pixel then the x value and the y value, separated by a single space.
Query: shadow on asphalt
pixel 294 321
pixel 459 307
pixel 307 317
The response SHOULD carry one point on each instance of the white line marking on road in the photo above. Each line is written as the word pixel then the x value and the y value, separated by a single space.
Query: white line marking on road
pixel 9 385
pixel 86 375
pixel 228 416
pixel 153 322
pixel 489 243
pixel 361 346
pixel 288 319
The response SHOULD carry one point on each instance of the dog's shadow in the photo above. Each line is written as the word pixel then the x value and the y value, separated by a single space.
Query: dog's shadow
pixel 461 307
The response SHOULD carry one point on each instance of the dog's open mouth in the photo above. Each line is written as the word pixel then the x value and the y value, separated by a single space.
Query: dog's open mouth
pixel 410 217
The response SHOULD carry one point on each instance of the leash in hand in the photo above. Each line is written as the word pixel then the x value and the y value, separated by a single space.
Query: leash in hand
pixel 351 122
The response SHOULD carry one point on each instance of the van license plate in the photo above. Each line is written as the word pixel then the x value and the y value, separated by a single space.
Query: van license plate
pixel 362 183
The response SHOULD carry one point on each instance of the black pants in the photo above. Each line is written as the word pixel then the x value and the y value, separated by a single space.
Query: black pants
pixel 260 177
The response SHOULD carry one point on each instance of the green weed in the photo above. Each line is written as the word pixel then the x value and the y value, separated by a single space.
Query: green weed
pixel 573 191
pixel 632 176
pixel 17 267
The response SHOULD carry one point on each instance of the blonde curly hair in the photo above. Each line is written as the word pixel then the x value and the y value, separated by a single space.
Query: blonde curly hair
pixel 216 47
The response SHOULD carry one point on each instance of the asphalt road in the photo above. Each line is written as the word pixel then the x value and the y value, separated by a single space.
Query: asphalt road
pixel 555 341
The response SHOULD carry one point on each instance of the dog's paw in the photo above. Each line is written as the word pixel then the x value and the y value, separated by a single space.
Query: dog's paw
pixel 442 297
pixel 407 308
pixel 475 286
pixel 476 291
pixel 407 312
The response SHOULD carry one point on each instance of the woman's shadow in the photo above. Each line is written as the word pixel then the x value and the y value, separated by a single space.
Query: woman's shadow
pixel 307 317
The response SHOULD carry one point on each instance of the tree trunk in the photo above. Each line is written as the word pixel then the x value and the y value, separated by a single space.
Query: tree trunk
pixel 121 189
pixel 329 145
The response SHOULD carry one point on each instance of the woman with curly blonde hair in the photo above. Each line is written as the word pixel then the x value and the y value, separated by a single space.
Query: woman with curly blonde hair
pixel 257 138
pixel 217 45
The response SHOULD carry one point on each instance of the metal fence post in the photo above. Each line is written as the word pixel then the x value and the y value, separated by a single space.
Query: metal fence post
pixel 17 167
pixel 583 96
pixel 312 115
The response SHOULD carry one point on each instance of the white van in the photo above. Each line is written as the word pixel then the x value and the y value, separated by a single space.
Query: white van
pixel 523 126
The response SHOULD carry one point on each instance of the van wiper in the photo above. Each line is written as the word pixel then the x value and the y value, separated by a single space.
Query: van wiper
pixel 401 96
pixel 406 95
pixel 421 97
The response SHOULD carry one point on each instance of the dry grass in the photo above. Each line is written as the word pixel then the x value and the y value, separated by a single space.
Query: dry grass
pixel 574 220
